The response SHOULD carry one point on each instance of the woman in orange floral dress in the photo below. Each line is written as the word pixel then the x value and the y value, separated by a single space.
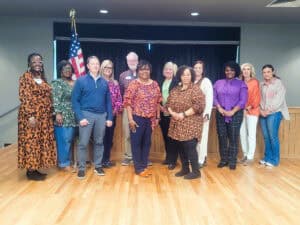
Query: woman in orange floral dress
pixel 36 149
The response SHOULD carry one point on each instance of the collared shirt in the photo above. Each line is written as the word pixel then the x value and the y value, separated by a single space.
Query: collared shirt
pixel 61 94
pixel 273 97
pixel 229 94
pixel 91 95
pixel 253 97
pixel 124 80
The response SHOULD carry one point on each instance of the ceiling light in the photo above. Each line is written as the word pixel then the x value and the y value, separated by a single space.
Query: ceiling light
pixel 194 14
pixel 103 11
pixel 284 3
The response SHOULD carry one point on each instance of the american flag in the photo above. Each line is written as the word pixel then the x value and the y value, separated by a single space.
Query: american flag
pixel 76 56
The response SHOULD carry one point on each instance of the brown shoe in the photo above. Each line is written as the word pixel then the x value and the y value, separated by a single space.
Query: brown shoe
pixel 144 174
pixel 148 171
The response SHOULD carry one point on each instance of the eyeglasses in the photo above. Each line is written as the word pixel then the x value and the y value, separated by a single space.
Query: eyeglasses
pixel 108 68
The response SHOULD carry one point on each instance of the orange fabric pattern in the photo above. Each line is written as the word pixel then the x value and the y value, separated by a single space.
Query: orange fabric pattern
pixel 181 100
pixel 143 98
pixel 36 147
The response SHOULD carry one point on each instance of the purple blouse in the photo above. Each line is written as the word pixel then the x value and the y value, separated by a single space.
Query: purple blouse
pixel 230 93
pixel 116 98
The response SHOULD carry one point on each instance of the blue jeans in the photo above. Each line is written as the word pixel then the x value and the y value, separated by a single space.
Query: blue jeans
pixel 97 126
pixel 141 143
pixel 64 137
pixel 270 127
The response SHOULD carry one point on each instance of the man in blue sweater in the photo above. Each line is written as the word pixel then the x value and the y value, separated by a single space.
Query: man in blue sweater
pixel 91 103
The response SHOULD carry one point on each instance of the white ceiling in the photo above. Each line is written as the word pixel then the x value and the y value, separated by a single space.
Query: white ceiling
pixel 236 11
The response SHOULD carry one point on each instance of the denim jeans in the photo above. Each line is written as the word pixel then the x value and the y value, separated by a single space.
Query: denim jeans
pixel 270 127
pixel 141 143
pixel 64 137
pixel 97 126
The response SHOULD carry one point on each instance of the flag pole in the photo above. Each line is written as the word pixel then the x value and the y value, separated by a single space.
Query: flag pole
pixel 72 15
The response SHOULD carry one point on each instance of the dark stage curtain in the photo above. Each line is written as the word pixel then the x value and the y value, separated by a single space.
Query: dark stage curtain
pixel 213 55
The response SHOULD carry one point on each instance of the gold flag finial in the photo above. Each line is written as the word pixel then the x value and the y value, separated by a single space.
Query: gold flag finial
pixel 72 13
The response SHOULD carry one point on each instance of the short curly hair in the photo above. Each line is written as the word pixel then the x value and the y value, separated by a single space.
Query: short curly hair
pixel 233 65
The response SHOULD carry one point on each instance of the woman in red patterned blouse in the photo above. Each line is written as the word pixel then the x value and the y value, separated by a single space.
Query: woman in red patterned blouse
pixel 186 103
pixel 142 102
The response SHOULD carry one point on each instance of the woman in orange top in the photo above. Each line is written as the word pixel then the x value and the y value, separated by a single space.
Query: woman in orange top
pixel 251 114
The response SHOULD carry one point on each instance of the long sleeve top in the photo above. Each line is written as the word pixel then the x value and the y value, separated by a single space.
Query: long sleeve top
pixel 273 97
pixel 35 98
pixel 91 95
pixel 229 94
pixel 181 100
pixel 116 98
pixel 61 95
pixel 253 97
pixel 207 89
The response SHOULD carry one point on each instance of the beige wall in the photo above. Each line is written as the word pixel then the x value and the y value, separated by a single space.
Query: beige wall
pixel 260 44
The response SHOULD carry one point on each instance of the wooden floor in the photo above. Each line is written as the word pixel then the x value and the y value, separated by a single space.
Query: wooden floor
pixel 250 195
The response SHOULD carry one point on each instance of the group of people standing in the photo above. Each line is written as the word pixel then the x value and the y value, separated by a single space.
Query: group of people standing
pixel 181 104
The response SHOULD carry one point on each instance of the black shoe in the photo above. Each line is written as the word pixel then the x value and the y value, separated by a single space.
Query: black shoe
pixel 232 166
pixel 99 171
pixel 171 166
pixel 222 164
pixel 108 164
pixel 192 175
pixel 81 174
pixel 39 173
pixel 32 175
pixel 182 173
pixel 165 162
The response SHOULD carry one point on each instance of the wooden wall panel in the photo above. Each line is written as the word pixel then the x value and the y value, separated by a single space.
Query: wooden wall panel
pixel 289 135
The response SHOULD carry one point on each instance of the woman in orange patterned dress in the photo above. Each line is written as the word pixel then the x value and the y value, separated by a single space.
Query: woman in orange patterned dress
pixel 36 148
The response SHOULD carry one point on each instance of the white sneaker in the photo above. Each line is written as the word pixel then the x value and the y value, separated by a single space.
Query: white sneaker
pixel 269 165
pixel 262 162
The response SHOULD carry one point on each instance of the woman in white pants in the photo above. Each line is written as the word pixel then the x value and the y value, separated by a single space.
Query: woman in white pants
pixel 207 89
pixel 251 114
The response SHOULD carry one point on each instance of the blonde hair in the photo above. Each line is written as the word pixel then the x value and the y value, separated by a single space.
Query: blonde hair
pixel 172 65
pixel 104 64
pixel 252 73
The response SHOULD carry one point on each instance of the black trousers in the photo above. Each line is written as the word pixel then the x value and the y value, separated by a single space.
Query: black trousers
pixel 228 135
pixel 171 150
pixel 108 141
pixel 188 154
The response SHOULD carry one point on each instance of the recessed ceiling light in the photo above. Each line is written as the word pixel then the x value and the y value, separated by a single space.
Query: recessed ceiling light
pixel 103 11
pixel 194 14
